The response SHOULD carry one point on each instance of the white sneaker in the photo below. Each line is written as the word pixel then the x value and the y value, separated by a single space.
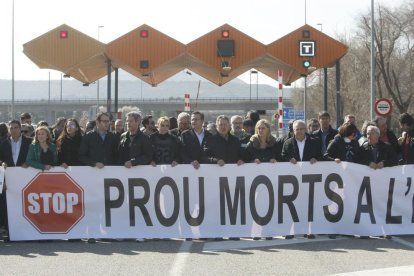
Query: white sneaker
pixel 140 240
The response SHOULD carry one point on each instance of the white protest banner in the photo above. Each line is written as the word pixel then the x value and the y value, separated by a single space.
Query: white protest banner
pixel 1 179
pixel 231 201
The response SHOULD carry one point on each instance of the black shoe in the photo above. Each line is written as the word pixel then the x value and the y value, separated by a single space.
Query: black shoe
pixel 234 239
pixel 92 240
pixel 269 238
pixel 257 238
pixel 74 240
pixel 188 239
pixel 310 236
pixel 218 239
pixel 289 237
pixel 364 237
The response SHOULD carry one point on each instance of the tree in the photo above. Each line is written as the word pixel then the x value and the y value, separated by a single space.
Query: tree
pixel 394 52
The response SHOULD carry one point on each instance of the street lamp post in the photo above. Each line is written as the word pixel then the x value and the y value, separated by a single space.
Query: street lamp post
pixel 257 83
pixel 372 61
pixel 320 25
pixel 61 87
pixel 12 104
pixel 97 82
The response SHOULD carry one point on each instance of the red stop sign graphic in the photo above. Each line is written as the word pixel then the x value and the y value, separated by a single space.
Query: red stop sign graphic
pixel 53 203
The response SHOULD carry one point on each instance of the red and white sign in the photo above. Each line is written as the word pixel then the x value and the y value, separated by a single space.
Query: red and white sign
pixel 383 107
pixel 187 102
pixel 53 202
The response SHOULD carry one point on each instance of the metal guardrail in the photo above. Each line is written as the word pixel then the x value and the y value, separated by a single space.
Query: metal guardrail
pixel 127 100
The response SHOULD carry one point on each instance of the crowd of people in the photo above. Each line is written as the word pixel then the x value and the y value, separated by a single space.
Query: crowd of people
pixel 188 139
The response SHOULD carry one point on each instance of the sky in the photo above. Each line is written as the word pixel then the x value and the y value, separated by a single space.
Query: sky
pixel 183 20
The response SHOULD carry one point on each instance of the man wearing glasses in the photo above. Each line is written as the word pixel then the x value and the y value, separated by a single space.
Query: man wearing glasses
pixel 99 147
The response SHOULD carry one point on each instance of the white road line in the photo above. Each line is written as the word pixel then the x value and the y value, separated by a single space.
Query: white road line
pixel 403 242
pixel 249 243
pixel 390 271
pixel 181 258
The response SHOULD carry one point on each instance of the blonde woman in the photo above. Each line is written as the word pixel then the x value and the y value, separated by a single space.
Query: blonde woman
pixel 167 148
pixel 263 147
pixel 42 152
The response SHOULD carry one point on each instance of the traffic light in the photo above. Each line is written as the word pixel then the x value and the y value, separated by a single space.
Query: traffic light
pixel 306 64
pixel 143 64
pixel 143 34
pixel 225 33
pixel 63 34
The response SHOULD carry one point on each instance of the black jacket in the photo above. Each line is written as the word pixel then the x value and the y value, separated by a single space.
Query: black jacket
pixel 216 148
pixel 166 148
pixel 137 149
pixel 6 154
pixel 385 153
pixel 409 157
pixel 273 150
pixel 393 140
pixel 68 152
pixel 93 149
pixel 331 135
pixel 344 151
pixel 192 150
pixel 312 149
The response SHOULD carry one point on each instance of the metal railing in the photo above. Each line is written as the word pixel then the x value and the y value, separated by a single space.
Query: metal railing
pixel 135 100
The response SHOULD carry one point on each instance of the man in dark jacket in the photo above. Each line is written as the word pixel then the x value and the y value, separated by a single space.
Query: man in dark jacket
pixel 183 121
pixel 193 140
pixel 99 147
pixel 407 138
pixel 13 153
pixel 134 146
pixel 387 136
pixel 375 153
pixel 301 147
pixel 326 133
pixel 223 147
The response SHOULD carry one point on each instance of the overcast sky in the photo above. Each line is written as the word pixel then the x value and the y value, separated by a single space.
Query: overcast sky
pixel 183 20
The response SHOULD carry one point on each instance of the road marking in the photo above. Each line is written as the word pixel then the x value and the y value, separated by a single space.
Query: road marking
pixel 390 271
pixel 249 243
pixel 403 242
pixel 181 258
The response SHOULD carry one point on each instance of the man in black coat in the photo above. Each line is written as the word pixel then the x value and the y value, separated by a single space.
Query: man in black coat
pixel 13 153
pixel 183 121
pixel 134 147
pixel 223 147
pixel 301 147
pixel 326 133
pixel 99 147
pixel 193 140
pixel 375 153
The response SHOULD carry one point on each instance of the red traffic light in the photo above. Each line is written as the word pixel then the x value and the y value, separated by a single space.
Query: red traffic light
pixel 225 34
pixel 144 33
pixel 63 34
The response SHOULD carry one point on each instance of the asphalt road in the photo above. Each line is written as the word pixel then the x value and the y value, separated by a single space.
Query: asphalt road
pixel 299 256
